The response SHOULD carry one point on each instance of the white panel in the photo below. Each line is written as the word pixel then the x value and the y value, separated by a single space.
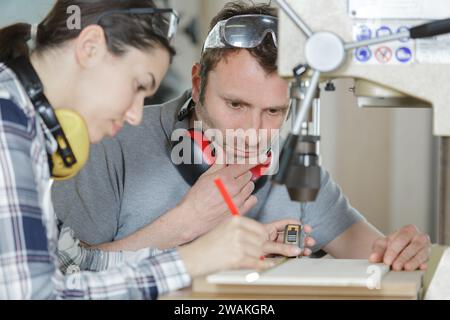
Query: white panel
pixel 308 272
pixel 399 9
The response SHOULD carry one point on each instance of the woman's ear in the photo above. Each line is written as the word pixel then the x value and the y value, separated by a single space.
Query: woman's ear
pixel 90 46
pixel 196 82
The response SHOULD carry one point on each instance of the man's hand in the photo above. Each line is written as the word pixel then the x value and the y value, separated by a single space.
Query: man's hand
pixel 406 249
pixel 275 243
pixel 203 207
pixel 200 211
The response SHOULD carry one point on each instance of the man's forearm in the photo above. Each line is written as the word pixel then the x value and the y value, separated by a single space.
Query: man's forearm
pixel 354 243
pixel 168 231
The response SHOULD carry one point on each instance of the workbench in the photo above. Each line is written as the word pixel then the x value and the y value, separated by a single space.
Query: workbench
pixel 394 285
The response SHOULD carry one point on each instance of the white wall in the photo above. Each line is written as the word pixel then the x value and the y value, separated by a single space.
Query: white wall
pixel 382 159
pixel 12 11
pixel 187 52
pixel 412 169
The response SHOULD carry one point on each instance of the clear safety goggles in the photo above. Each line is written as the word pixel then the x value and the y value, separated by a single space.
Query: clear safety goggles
pixel 245 31
pixel 164 21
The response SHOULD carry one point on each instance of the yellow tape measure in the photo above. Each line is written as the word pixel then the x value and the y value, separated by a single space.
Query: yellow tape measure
pixel 292 234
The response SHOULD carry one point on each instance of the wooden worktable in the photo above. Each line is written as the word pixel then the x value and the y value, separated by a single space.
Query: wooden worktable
pixel 395 285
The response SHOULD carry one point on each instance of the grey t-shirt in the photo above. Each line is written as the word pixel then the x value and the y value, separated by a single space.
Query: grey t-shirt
pixel 130 181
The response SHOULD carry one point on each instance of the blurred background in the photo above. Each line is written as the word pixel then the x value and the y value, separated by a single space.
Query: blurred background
pixel 382 159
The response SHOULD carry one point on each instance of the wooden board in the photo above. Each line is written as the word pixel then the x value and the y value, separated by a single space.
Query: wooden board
pixel 394 285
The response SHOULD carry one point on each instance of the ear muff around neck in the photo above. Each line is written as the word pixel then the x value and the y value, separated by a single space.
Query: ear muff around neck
pixel 203 156
pixel 67 127
pixel 76 132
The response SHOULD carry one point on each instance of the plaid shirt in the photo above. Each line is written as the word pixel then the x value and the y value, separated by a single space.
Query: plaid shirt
pixel 30 265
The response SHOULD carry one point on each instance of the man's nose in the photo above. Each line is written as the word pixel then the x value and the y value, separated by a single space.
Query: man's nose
pixel 256 120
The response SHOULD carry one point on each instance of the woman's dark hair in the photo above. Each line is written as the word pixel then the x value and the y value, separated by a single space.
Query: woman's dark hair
pixel 121 30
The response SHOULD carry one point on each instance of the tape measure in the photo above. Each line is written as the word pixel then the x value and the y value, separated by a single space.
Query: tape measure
pixel 292 234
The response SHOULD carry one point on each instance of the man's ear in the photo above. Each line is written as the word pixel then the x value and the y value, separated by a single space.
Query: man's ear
pixel 196 82
pixel 90 46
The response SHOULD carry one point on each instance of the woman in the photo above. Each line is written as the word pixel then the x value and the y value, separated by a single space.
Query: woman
pixel 101 71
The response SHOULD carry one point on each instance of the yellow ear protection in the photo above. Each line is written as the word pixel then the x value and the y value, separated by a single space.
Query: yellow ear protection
pixel 203 155
pixel 67 127
pixel 75 132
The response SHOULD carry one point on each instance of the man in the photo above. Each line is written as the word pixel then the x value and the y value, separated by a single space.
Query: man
pixel 124 201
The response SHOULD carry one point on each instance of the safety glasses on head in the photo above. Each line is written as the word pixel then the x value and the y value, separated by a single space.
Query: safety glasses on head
pixel 244 31
pixel 164 22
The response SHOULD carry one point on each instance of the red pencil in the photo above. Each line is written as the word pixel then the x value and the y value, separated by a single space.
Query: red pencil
pixel 229 201
pixel 226 197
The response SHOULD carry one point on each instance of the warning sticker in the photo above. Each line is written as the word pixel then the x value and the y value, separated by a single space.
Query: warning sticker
pixel 383 54
pixel 400 52
pixel 383 31
pixel 363 54
pixel 404 54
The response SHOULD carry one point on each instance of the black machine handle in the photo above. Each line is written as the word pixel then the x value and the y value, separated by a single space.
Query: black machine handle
pixel 430 29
